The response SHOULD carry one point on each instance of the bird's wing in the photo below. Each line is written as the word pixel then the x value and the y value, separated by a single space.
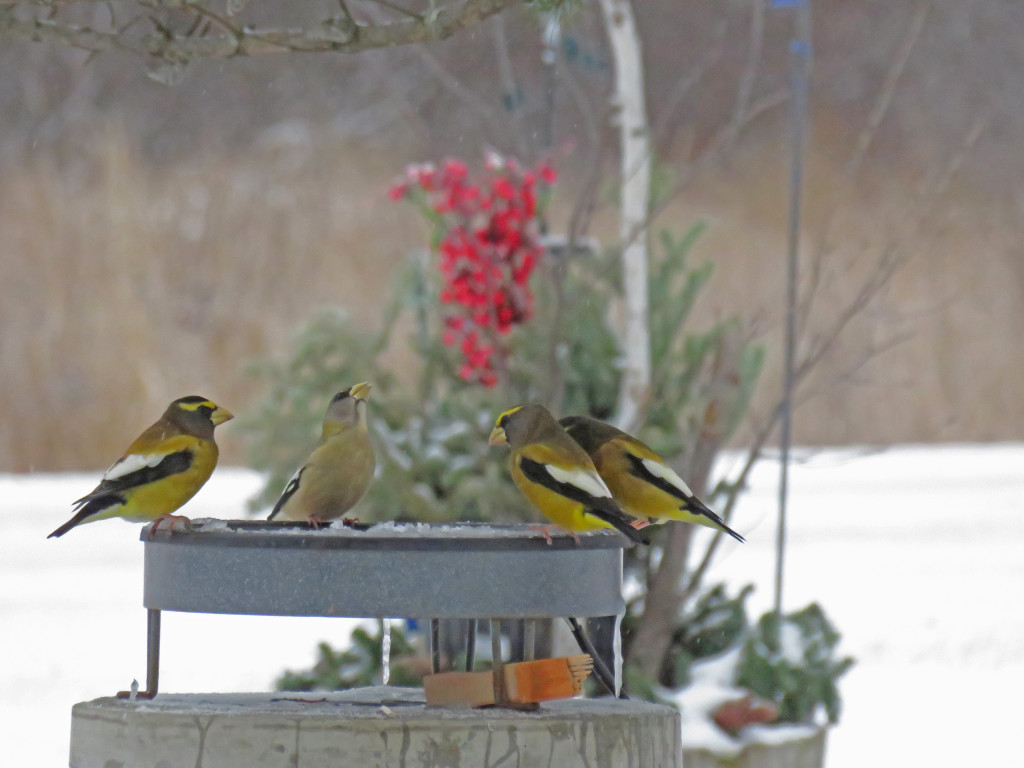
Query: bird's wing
pixel 541 465
pixel 132 462
pixel 132 470
pixel 289 490
pixel 558 470
pixel 651 469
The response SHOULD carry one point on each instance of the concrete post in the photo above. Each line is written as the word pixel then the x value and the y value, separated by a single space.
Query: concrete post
pixel 367 728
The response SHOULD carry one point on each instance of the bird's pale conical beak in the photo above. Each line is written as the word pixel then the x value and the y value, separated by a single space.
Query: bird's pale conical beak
pixel 220 415
pixel 360 391
pixel 497 437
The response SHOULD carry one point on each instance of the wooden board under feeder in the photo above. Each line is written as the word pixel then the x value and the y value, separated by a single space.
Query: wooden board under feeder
pixel 523 684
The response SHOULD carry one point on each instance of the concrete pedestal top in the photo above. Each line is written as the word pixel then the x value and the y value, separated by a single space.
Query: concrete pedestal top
pixel 379 727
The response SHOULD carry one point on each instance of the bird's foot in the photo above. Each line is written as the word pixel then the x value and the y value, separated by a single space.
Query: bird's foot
pixel 639 525
pixel 171 520
pixel 547 529
pixel 356 524
pixel 315 522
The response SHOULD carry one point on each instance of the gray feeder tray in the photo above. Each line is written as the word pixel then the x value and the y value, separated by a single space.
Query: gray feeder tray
pixel 388 570
pixel 414 570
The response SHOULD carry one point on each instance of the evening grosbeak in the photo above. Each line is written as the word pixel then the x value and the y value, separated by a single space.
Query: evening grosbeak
pixel 556 475
pixel 639 479
pixel 165 467
pixel 337 473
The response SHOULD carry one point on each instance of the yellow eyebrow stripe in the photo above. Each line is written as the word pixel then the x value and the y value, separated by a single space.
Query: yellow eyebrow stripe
pixel 509 412
pixel 196 406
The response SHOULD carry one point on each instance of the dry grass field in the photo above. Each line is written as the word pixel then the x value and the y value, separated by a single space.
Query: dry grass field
pixel 127 286
pixel 128 278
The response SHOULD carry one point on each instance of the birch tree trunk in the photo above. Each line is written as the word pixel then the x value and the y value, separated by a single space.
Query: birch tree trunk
pixel 634 133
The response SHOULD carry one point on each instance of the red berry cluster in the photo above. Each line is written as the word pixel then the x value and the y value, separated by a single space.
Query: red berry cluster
pixel 486 238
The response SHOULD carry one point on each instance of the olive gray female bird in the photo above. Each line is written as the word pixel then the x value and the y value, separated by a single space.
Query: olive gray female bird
pixel 338 472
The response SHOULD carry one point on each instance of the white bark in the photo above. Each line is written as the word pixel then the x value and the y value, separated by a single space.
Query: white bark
pixel 634 133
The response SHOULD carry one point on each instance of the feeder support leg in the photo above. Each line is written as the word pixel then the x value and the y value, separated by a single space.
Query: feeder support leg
pixel 471 645
pixel 152 658
pixel 497 668
pixel 435 645
pixel 529 639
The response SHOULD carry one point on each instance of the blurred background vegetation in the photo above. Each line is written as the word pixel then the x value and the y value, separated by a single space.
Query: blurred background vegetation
pixel 159 241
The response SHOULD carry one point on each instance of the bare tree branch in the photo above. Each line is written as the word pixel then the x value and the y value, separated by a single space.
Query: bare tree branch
pixel 888 263
pixel 398 8
pixel 509 87
pixel 664 588
pixel 892 77
pixel 663 127
pixel 755 45
pixel 696 578
pixel 334 34
pixel 473 100
pixel 864 139
pixel 743 114
pixel 349 18
pixel 584 107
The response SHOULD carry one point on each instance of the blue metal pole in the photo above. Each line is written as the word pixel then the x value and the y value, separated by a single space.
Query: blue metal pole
pixel 799 72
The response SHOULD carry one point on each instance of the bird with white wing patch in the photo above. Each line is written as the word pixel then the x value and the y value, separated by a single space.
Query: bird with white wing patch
pixel 161 470
pixel 556 475
pixel 639 479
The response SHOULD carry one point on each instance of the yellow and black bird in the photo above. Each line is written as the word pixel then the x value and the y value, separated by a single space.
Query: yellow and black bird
pixel 164 468
pixel 556 475
pixel 337 473
pixel 639 479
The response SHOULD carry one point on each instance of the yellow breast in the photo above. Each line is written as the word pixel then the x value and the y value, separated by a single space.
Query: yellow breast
pixel 560 510
pixel 150 501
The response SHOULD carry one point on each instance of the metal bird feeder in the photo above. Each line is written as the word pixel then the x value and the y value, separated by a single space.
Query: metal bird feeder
pixel 418 570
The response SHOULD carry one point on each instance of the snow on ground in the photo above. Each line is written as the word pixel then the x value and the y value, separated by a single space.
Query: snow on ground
pixel 72 625
pixel 915 554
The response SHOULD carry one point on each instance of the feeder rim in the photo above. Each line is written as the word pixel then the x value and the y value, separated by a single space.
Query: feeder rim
pixel 283 534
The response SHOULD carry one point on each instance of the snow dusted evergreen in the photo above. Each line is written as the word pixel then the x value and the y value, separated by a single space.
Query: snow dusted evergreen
pixel 795 664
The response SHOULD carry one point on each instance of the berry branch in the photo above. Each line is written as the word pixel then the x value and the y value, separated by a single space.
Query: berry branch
pixel 486 237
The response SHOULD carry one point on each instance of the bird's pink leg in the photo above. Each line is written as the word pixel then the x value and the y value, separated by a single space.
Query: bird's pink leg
pixel 547 529
pixel 171 520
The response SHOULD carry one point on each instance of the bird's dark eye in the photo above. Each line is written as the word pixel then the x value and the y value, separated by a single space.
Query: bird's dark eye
pixel 503 421
pixel 340 396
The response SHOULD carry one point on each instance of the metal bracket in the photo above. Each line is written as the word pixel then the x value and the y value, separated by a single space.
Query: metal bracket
pixel 152 658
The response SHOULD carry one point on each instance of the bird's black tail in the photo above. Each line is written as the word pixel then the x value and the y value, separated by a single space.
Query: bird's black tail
pixel 84 513
pixel 726 529
pixel 699 507
pixel 87 507
pixel 622 526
